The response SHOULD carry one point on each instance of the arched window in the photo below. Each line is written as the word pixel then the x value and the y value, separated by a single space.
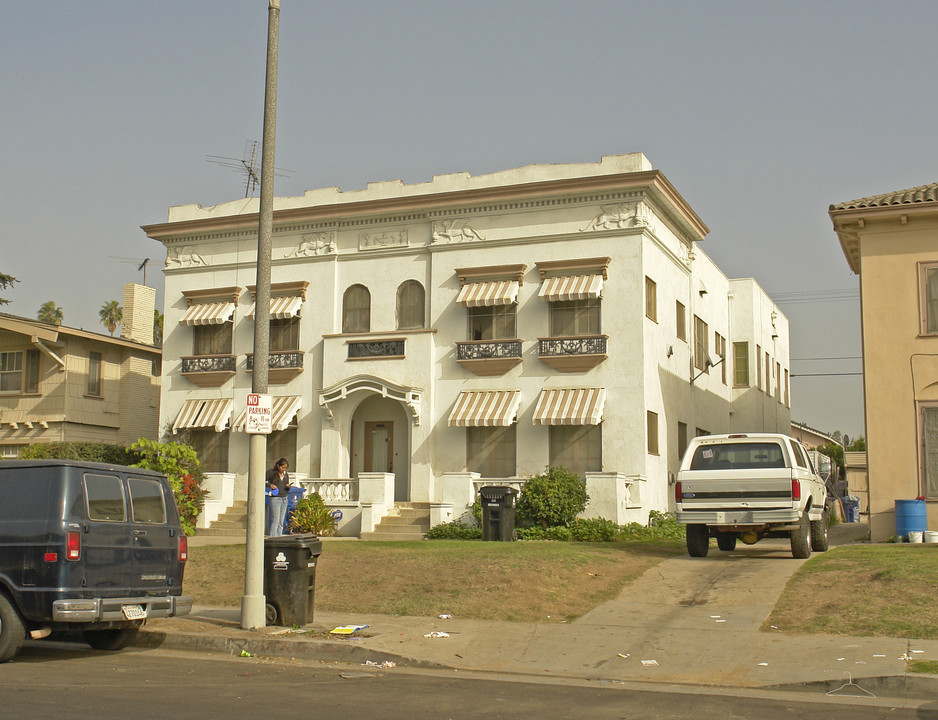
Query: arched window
pixel 411 314
pixel 356 310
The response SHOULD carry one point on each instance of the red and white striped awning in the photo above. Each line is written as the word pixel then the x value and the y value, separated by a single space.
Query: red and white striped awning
pixel 570 406
pixel 208 314
pixel 571 287
pixel 501 292
pixel 485 408
pixel 281 308
pixel 282 413
pixel 204 414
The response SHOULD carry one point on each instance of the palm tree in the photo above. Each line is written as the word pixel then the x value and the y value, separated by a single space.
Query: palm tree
pixel 6 281
pixel 157 327
pixel 51 313
pixel 111 314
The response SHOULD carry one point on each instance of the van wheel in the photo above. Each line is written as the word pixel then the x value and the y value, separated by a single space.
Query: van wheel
pixel 801 539
pixel 819 540
pixel 271 614
pixel 726 542
pixel 698 540
pixel 12 630
pixel 110 639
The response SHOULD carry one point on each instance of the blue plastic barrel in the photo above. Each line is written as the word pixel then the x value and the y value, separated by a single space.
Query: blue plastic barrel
pixel 910 516
pixel 851 508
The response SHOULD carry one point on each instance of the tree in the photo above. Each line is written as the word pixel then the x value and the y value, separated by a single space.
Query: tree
pixel 180 464
pixel 157 327
pixel 858 445
pixel 51 313
pixel 835 452
pixel 6 281
pixel 111 314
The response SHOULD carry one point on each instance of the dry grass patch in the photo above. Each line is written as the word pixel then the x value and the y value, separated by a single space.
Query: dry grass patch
pixel 863 590
pixel 521 581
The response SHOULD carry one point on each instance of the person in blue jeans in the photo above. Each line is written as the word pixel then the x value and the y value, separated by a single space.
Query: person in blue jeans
pixel 278 482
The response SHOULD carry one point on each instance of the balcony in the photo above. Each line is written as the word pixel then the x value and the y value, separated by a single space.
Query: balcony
pixel 282 365
pixel 373 349
pixel 489 357
pixel 572 354
pixel 208 370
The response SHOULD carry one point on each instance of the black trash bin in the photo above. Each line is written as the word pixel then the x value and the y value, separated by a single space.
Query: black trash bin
pixel 498 512
pixel 290 578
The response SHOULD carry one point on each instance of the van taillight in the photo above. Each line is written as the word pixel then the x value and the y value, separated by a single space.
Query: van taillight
pixel 183 548
pixel 678 492
pixel 796 490
pixel 72 546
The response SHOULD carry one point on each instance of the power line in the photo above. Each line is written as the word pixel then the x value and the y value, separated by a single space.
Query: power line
pixel 796 375
pixel 841 357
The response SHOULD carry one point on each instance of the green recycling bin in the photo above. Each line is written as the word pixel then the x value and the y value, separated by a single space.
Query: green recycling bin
pixel 290 578
pixel 498 512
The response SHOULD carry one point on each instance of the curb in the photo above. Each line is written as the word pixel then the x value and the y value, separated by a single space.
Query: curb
pixel 909 686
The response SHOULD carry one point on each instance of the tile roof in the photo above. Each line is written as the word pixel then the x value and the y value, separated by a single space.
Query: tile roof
pixel 912 196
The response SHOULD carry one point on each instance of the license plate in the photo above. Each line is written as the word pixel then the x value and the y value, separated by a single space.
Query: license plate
pixel 134 612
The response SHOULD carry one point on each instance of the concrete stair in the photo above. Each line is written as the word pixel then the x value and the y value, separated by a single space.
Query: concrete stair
pixel 233 523
pixel 406 521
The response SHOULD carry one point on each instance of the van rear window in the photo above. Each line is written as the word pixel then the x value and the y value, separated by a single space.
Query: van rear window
pixel 104 495
pixel 738 456
pixel 146 501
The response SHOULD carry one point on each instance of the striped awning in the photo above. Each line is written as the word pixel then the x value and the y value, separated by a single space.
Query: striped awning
pixel 501 292
pixel 282 413
pixel 485 408
pixel 282 308
pixel 204 414
pixel 208 314
pixel 570 406
pixel 571 287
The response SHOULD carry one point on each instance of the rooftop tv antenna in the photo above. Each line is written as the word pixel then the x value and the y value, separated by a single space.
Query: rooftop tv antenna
pixel 248 165
pixel 141 264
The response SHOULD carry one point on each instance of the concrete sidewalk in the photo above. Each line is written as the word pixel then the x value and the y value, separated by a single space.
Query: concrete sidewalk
pixel 686 621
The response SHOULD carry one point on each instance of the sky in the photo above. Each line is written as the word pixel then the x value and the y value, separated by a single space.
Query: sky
pixel 761 114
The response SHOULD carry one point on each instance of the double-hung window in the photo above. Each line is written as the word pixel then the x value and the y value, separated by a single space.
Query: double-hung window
pixel 928 297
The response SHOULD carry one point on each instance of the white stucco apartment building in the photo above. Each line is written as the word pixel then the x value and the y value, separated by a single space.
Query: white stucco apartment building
pixel 432 338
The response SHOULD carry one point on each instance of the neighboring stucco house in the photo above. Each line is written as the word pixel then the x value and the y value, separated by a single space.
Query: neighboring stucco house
pixel 59 383
pixel 428 339
pixel 891 242
pixel 809 437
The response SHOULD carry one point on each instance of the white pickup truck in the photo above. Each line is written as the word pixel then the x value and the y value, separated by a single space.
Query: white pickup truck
pixel 748 487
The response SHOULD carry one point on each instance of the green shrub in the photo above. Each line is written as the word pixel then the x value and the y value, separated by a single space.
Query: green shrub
pixel 312 516
pixel 180 464
pixel 594 530
pixel 560 533
pixel 551 498
pixel 661 526
pixel 85 451
pixel 454 530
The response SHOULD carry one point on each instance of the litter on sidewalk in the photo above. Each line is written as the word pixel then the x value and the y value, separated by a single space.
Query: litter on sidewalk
pixel 437 634
pixel 650 663
pixel 385 664
pixel 347 629
pixel 445 616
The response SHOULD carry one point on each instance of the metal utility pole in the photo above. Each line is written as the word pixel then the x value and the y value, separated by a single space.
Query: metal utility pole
pixel 253 604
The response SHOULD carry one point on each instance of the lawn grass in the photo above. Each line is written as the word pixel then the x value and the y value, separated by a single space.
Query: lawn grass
pixel 863 590
pixel 520 581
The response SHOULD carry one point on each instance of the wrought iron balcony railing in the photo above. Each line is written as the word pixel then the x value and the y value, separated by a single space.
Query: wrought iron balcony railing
pixel 375 349
pixel 488 349
pixel 208 364
pixel 589 345
pixel 279 360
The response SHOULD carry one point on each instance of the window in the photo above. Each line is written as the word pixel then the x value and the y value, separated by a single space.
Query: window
pixel 778 382
pixel 212 339
pixel 929 439
pixel 652 421
pixel 680 320
pixel 492 322
pixel 741 364
pixel 211 447
pixel 146 501
pixel 800 458
pixel 411 313
pixel 928 297
pixel 32 371
pixel 700 431
pixel 94 373
pixel 701 345
pixel 787 391
pixel 491 451
pixel 9 451
pixel 575 318
pixel 579 448
pixel 285 334
pixel 651 299
pixel 768 375
pixel 720 345
pixel 104 495
pixel 758 367
pixel 681 439
pixel 356 310
pixel 11 371
pixel 738 456
pixel 282 444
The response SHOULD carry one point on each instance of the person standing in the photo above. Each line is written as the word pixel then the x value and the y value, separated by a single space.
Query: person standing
pixel 278 483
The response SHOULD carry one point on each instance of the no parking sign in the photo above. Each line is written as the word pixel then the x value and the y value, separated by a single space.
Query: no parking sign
pixel 259 413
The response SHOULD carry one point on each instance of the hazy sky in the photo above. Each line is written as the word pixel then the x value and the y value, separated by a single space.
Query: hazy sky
pixel 760 113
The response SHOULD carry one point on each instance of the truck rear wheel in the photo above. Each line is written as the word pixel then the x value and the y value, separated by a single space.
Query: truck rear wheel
pixel 698 540
pixel 801 539
pixel 110 639
pixel 819 540
pixel 12 630
pixel 726 541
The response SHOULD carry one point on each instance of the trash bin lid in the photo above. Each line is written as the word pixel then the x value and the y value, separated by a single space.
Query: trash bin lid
pixel 300 540
pixel 496 492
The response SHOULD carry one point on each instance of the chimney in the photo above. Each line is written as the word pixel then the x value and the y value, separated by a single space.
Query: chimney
pixel 137 318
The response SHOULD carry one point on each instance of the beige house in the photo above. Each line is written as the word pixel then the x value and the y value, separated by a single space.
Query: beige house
pixel 428 339
pixel 891 242
pixel 809 437
pixel 59 383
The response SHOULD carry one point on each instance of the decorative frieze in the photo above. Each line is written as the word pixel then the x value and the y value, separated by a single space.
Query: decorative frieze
pixel 317 243
pixel 620 216
pixel 454 231
pixel 183 257
pixel 368 240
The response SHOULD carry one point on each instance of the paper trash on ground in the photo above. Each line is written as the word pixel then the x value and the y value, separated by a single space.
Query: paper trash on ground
pixel 437 634
pixel 347 629
pixel 652 663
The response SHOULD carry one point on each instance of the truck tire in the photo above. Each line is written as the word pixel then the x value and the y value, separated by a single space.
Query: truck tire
pixel 726 541
pixel 12 630
pixel 116 639
pixel 698 540
pixel 801 539
pixel 819 540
